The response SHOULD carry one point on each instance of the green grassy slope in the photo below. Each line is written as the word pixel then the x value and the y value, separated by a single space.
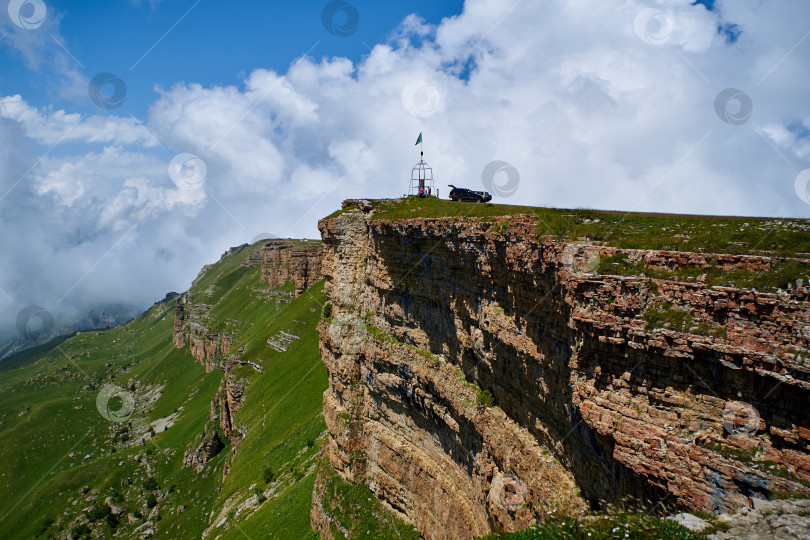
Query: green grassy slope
pixel 354 508
pixel 30 355
pixel 55 441
pixel 284 422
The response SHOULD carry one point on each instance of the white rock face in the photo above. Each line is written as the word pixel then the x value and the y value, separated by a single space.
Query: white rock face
pixel 690 521
pixel 782 519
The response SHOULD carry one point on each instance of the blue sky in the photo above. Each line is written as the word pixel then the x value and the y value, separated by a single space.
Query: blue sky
pixel 257 119
pixel 215 43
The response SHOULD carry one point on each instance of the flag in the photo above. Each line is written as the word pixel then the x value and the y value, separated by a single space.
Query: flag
pixel 419 140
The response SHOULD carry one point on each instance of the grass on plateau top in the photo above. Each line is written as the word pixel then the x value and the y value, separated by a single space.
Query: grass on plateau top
pixel 625 230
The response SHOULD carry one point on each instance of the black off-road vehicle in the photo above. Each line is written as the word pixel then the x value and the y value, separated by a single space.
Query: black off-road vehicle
pixel 464 194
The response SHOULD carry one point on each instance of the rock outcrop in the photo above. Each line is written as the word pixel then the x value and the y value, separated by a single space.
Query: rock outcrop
pixel 206 346
pixel 208 449
pixel 282 260
pixel 481 377
pixel 227 402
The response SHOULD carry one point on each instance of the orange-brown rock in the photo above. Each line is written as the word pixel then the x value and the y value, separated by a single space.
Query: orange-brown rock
pixel 206 346
pixel 228 401
pixel 283 260
pixel 431 317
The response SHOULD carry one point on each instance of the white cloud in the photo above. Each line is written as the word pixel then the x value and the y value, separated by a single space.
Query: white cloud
pixel 566 91
pixel 51 127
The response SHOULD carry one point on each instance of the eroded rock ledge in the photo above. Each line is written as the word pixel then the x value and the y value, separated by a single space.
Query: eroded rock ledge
pixel 434 321
pixel 282 260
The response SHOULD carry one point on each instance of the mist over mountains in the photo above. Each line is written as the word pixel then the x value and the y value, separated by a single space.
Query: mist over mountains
pixel 35 326
pixel 593 105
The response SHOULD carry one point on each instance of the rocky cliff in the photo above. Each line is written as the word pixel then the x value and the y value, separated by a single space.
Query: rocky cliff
pixel 281 261
pixel 482 376
pixel 206 346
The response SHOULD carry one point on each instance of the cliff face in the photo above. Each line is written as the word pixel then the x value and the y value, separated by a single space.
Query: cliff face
pixel 603 386
pixel 189 326
pixel 281 260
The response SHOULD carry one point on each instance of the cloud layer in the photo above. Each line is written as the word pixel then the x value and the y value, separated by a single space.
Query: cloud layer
pixel 594 104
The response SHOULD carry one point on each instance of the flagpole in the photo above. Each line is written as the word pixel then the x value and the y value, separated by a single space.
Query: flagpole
pixel 422 151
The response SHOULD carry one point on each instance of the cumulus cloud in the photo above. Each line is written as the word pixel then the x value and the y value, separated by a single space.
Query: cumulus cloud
pixel 594 104
pixel 52 127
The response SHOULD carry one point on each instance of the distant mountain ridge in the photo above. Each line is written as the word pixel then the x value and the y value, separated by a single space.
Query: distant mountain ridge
pixel 94 318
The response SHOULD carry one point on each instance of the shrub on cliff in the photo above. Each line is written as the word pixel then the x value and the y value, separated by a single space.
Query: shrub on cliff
pixel 260 497
pixel 98 512
pixel 150 484
pixel 485 398
pixel 81 531
pixel 268 475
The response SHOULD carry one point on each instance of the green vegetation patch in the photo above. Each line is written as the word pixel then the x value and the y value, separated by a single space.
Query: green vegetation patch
pixel 781 273
pixel 744 455
pixel 788 495
pixel 358 510
pixel 627 230
pixel 635 526
pixel 383 337
pixel 666 316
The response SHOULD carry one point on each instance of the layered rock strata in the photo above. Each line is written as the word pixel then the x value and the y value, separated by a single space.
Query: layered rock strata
pixel 206 346
pixel 281 261
pixel 481 377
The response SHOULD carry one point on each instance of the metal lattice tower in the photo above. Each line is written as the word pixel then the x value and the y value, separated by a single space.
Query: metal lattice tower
pixel 421 176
